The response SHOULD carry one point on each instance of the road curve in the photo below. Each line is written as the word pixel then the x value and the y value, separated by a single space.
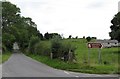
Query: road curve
pixel 20 65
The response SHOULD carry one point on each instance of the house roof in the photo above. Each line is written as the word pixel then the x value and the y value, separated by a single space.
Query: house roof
pixel 107 41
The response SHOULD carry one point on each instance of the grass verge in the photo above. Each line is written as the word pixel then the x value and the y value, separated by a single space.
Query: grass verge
pixel 76 67
pixel 0 58
pixel 6 56
pixel 55 63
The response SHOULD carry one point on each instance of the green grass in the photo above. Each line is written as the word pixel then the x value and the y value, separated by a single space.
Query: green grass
pixel 6 56
pixel 54 63
pixel 0 58
pixel 109 57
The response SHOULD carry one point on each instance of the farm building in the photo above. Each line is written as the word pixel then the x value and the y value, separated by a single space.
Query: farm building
pixel 108 43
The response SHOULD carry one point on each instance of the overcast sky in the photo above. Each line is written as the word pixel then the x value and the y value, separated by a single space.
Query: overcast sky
pixel 71 17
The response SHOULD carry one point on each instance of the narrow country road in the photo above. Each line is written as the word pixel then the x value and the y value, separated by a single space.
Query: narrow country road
pixel 0 71
pixel 20 65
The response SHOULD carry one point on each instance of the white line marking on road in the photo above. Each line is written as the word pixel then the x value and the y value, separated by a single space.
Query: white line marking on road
pixel 76 76
pixel 66 72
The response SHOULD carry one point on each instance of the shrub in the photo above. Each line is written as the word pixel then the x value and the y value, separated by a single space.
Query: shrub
pixel 63 49
pixel 43 48
pixel 56 47
pixel 66 48
pixel 33 41
pixel 106 62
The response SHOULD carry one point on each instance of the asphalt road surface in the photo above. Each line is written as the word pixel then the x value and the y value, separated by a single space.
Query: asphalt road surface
pixel 0 71
pixel 20 65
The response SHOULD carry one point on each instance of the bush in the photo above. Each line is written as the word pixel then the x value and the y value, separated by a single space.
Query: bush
pixel 63 49
pixel 56 47
pixel 66 48
pixel 106 62
pixel 43 48
pixel 33 41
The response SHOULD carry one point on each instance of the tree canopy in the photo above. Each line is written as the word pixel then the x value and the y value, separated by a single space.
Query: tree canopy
pixel 51 35
pixel 115 27
pixel 17 28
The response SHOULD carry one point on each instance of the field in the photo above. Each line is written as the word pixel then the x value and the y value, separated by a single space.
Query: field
pixel 109 59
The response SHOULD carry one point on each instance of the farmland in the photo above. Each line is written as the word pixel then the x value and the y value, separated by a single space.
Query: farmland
pixel 109 59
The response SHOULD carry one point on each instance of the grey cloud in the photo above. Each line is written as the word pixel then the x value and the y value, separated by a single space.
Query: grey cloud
pixel 96 5
pixel 119 6
pixel 32 5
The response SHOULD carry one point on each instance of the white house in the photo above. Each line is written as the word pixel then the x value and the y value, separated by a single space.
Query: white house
pixel 108 43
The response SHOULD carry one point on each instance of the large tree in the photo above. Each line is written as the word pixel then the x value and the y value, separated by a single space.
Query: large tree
pixel 115 27
pixel 16 28
pixel 10 14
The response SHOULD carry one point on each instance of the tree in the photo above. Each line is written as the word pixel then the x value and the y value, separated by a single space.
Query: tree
pixel 8 40
pixel 52 35
pixel 40 35
pixel 115 27
pixel 94 37
pixel 17 27
pixel 46 36
pixel 76 37
pixel 10 13
pixel 88 39
pixel 83 37
pixel 70 36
